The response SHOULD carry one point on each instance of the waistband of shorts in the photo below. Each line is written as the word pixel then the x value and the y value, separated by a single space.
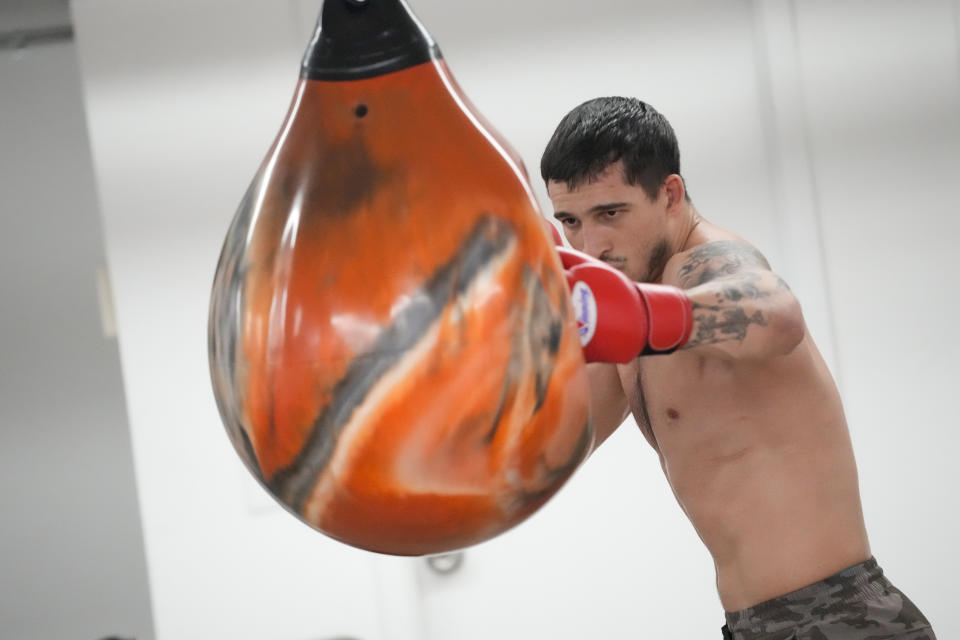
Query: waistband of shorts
pixel 864 580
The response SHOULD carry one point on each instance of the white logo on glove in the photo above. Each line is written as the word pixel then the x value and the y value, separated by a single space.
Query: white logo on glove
pixel 585 311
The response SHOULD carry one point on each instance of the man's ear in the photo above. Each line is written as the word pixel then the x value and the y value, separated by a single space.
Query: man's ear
pixel 675 191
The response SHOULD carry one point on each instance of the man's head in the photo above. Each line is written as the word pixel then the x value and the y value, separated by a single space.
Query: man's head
pixel 612 170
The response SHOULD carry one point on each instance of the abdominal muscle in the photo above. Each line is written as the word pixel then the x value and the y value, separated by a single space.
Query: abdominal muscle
pixel 760 460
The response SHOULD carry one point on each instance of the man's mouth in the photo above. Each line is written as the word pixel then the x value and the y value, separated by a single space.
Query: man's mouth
pixel 616 263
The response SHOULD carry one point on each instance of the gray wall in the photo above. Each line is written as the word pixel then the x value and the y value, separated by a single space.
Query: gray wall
pixel 72 563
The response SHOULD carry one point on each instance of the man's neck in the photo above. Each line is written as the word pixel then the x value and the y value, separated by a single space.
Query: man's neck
pixel 690 219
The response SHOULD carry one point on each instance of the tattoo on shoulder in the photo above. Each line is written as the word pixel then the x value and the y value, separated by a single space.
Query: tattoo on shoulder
pixel 718 259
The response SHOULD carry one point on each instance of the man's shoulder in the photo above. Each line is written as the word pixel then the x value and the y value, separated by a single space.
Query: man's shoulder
pixel 713 257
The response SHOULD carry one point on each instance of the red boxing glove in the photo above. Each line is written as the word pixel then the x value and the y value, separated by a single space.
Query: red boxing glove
pixel 552 230
pixel 619 319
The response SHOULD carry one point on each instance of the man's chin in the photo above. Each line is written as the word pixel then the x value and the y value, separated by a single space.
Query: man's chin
pixel 637 277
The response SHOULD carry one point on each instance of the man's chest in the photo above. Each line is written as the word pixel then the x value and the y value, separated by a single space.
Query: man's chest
pixel 678 400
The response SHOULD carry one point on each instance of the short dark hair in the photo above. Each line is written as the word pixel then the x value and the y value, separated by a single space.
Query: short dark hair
pixel 602 131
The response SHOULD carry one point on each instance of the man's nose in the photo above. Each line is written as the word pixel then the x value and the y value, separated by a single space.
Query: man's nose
pixel 595 241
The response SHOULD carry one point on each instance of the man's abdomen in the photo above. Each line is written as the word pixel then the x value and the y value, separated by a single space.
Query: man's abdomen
pixel 775 521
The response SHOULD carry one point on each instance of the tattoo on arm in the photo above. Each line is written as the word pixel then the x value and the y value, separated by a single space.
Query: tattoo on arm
pixel 719 325
pixel 745 286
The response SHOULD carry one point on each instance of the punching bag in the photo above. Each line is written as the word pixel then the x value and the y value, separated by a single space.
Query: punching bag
pixel 391 345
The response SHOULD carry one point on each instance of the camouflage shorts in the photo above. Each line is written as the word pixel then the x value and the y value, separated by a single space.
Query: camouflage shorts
pixel 858 603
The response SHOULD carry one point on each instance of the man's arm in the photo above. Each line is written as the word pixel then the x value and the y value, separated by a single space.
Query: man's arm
pixel 608 403
pixel 741 309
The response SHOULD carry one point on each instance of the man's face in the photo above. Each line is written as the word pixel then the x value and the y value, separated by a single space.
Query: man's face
pixel 615 222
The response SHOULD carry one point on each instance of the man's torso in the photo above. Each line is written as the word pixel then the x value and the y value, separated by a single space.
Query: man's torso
pixel 759 457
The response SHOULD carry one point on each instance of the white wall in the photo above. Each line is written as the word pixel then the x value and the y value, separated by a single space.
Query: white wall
pixel 884 114
pixel 184 99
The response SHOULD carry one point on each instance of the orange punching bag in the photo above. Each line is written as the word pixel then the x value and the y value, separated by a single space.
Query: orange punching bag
pixel 391 345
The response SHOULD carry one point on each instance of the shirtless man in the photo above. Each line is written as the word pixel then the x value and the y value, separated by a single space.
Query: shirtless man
pixel 745 416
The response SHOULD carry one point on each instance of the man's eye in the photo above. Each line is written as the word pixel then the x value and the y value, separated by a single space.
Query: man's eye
pixel 568 222
pixel 611 213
